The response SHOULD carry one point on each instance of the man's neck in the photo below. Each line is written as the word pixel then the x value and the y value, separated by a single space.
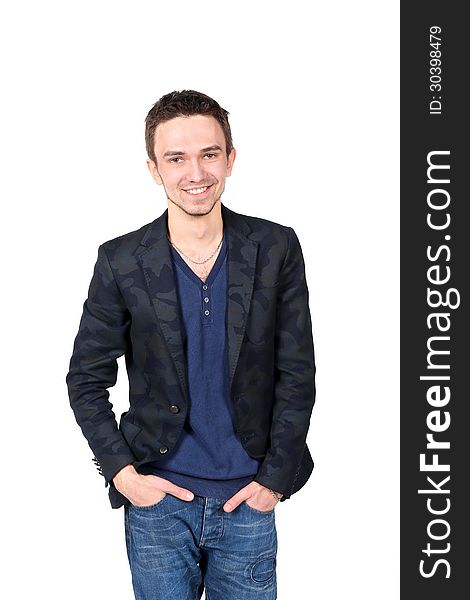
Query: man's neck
pixel 195 234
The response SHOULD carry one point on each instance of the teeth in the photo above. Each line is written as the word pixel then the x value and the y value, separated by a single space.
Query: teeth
pixel 197 190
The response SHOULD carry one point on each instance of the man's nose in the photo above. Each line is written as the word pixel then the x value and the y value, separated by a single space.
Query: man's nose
pixel 196 171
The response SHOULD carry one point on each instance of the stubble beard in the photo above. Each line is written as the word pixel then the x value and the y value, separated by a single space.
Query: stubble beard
pixel 197 211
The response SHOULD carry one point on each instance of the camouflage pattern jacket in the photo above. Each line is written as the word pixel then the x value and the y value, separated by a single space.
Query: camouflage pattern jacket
pixel 132 309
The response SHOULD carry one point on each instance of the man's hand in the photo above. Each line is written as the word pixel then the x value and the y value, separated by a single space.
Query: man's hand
pixel 144 490
pixel 260 498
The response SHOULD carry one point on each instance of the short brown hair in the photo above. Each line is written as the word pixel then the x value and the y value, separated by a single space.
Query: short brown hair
pixel 184 104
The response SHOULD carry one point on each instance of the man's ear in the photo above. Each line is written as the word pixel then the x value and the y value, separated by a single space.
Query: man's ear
pixel 152 167
pixel 230 161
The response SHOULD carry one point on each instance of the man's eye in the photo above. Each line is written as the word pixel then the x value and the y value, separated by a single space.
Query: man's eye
pixel 175 159
pixel 210 155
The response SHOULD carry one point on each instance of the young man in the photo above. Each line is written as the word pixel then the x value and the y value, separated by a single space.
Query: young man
pixel 210 308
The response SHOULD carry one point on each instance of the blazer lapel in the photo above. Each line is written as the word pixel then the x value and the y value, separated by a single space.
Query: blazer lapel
pixel 241 263
pixel 157 265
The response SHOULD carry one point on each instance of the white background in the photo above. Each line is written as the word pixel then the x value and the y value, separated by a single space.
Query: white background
pixel 312 91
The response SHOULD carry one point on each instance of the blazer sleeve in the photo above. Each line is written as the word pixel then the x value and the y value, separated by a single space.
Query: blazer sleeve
pixel 103 336
pixel 294 384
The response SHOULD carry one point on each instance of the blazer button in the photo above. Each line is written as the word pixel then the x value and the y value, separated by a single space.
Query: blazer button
pixel 174 408
pixel 163 449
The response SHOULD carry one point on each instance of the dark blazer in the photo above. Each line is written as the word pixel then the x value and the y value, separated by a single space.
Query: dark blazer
pixel 132 309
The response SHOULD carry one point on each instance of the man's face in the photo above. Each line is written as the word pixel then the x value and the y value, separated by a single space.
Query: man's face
pixel 192 162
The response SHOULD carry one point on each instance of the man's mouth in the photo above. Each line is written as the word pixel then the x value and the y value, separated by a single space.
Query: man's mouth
pixel 198 192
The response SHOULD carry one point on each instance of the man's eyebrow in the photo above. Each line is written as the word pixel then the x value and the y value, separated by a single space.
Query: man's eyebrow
pixel 181 153
pixel 211 148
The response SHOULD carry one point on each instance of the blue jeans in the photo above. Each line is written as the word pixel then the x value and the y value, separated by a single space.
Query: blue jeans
pixel 176 549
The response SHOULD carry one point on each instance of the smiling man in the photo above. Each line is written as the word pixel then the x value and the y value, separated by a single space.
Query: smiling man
pixel 211 310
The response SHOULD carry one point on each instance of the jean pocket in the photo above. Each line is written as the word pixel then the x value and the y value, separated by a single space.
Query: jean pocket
pixel 260 512
pixel 151 506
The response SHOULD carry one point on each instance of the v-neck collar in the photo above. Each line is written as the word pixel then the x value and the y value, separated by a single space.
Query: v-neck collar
pixel 182 264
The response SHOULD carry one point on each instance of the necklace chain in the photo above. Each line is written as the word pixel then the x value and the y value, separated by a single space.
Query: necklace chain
pixel 196 262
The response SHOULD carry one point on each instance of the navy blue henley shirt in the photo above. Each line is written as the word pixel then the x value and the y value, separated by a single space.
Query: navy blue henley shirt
pixel 209 458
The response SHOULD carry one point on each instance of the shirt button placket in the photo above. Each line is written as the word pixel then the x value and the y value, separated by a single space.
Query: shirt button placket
pixel 206 300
